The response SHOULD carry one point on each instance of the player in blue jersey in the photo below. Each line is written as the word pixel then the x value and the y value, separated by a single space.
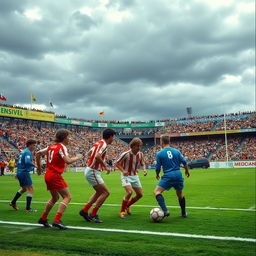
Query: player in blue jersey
pixel 25 165
pixel 170 160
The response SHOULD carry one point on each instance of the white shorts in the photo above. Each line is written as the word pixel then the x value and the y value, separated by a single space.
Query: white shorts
pixel 133 181
pixel 93 176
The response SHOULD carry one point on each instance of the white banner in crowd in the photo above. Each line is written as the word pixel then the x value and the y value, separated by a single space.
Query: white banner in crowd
pixel 233 164
pixel 244 164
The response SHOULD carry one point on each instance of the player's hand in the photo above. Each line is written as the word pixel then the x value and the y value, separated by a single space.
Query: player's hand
pixel 145 172
pixel 108 170
pixel 39 171
pixel 79 156
pixel 157 177
pixel 125 173
pixel 187 173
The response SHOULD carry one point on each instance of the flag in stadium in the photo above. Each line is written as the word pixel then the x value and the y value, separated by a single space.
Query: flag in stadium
pixel 33 98
pixel 51 103
pixel 2 97
pixel 101 113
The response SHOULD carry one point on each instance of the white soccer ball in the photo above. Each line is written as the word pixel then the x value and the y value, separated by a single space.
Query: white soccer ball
pixel 156 214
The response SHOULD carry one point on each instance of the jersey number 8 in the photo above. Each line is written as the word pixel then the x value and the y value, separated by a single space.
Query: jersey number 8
pixel 169 153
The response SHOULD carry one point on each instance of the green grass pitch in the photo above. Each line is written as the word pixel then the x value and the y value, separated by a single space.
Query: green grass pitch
pixel 214 188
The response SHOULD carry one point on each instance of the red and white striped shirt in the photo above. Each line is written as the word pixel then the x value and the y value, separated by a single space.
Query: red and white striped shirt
pixel 101 148
pixel 130 162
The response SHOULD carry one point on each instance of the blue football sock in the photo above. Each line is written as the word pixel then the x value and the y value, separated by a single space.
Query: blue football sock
pixel 16 197
pixel 160 200
pixel 29 199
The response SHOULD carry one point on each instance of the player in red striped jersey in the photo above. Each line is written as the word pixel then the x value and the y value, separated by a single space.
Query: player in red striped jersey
pixel 128 163
pixel 57 157
pixel 92 173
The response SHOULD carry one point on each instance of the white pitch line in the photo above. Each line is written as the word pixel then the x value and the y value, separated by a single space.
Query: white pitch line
pixel 225 238
pixel 154 206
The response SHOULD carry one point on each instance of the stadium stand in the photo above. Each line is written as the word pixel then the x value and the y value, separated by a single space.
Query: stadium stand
pixel 207 140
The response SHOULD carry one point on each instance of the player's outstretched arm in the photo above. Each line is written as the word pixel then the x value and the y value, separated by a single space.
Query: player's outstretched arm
pixel 70 160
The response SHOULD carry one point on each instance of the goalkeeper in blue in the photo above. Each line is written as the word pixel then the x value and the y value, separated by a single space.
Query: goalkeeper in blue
pixel 170 160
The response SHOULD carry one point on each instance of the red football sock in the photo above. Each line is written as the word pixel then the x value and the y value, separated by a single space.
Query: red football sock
pixel 58 217
pixel 44 216
pixel 124 204
pixel 87 207
pixel 94 211
pixel 132 201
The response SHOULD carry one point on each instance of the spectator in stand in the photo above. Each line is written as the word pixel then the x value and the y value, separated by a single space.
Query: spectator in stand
pixel 2 166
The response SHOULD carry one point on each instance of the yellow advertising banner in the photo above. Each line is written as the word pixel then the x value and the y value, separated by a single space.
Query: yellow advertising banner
pixel 26 114
pixel 211 132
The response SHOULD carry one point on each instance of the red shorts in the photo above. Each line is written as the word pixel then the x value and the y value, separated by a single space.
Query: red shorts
pixel 54 181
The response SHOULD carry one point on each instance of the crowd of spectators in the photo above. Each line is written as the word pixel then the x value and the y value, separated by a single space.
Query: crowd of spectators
pixel 13 137
pixel 247 122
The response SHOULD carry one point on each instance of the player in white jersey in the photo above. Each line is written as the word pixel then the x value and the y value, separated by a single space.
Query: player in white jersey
pixel 92 173
pixel 128 163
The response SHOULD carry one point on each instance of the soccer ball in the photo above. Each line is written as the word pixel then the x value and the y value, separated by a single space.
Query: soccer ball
pixel 156 214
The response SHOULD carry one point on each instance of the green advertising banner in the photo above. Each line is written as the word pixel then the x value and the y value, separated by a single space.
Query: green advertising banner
pixel 109 125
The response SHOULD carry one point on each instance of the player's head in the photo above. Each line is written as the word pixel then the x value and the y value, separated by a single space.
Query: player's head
pixel 135 145
pixel 62 136
pixel 31 144
pixel 108 135
pixel 164 140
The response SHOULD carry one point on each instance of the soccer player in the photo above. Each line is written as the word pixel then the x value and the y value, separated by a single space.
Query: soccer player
pixel 25 165
pixel 92 173
pixel 170 160
pixel 56 159
pixel 128 163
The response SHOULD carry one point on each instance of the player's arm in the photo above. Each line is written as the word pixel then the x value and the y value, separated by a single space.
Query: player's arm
pixel 71 160
pixel 39 154
pixel 184 162
pixel 119 166
pixel 143 165
pixel 119 162
pixel 158 166
pixel 102 162
pixel 187 173
pixel 89 153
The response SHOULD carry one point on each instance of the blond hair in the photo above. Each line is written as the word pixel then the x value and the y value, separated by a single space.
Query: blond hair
pixel 135 141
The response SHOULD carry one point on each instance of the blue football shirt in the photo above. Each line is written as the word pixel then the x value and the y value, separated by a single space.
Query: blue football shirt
pixel 25 161
pixel 169 159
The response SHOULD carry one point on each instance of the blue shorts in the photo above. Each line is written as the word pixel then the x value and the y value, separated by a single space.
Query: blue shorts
pixel 24 179
pixel 172 179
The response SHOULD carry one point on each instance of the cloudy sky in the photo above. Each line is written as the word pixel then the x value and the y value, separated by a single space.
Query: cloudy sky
pixel 132 59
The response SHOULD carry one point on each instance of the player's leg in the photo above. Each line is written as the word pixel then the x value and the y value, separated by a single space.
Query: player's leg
pixel 104 193
pixel 94 178
pixel 128 193
pixel 91 201
pixel 136 185
pixel 64 192
pixel 24 180
pixel 48 207
pixel 30 191
pixel 18 194
pixel 182 202
pixel 139 194
pixel 160 199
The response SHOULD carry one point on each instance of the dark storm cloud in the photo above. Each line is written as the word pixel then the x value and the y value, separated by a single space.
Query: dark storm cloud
pixel 138 60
